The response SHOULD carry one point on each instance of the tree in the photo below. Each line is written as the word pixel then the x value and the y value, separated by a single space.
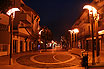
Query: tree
pixel 65 40
pixel 46 35
pixel 4 5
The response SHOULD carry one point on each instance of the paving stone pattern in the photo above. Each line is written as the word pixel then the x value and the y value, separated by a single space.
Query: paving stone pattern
pixel 25 60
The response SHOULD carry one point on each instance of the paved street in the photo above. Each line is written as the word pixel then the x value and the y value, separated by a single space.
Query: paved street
pixel 33 60
pixel 49 60
pixel 58 38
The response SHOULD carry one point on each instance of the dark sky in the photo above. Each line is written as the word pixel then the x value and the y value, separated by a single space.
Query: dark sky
pixel 57 15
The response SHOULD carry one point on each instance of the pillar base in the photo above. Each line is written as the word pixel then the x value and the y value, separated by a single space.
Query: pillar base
pixel 11 61
pixel 98 59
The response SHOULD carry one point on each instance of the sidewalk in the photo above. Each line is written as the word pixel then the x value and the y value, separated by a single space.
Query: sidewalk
pixel 99 65
pixel 4 63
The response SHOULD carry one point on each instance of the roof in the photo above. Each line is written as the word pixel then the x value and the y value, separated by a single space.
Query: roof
pixel 27 8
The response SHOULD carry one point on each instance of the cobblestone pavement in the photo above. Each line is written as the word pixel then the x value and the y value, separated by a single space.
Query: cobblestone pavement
pixel 49 60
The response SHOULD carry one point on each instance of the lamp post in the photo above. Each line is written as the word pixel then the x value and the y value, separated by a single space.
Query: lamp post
pixel 93 16
pixel 40 38
pixel 76 32
pixel 97 39
pixel 71 32
pixel 11 13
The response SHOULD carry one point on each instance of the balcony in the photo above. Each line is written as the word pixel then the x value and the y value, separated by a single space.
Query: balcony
pixel 83 35
pixel 25 18
pixel 23 32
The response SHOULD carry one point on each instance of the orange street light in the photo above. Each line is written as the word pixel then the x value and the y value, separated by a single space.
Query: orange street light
pixel 40 38
pixel 42 42
pixel 93 14
pixel 76 31
pixel 91 9
pixel 101 32
pixel 10 12
pixel 71 32
pixel 40 32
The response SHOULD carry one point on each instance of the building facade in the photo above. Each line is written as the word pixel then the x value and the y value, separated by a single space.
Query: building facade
pixel 84 26
pixel 25 29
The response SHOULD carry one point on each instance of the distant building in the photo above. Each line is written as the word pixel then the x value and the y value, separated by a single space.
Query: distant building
pixel 25 29
pixel 84 26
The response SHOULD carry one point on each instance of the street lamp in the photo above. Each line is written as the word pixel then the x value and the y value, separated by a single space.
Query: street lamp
pixel 40 38
pixel 101 32
pixel 11 13
pixel 71 32
pixel 93 16
pixel 40 32
pixel 76 31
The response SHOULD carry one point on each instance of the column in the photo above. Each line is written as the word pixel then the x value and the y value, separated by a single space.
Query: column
pixel 87 48
pixel 31 46
pixel 27 45
pixel 74 43
pixel 24 46
pixel 82 42
pixel 12 44
pixel 8 52
pixel 18 45
pixel 100 45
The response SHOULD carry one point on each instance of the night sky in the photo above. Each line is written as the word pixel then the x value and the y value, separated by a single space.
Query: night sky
pixel 57 15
